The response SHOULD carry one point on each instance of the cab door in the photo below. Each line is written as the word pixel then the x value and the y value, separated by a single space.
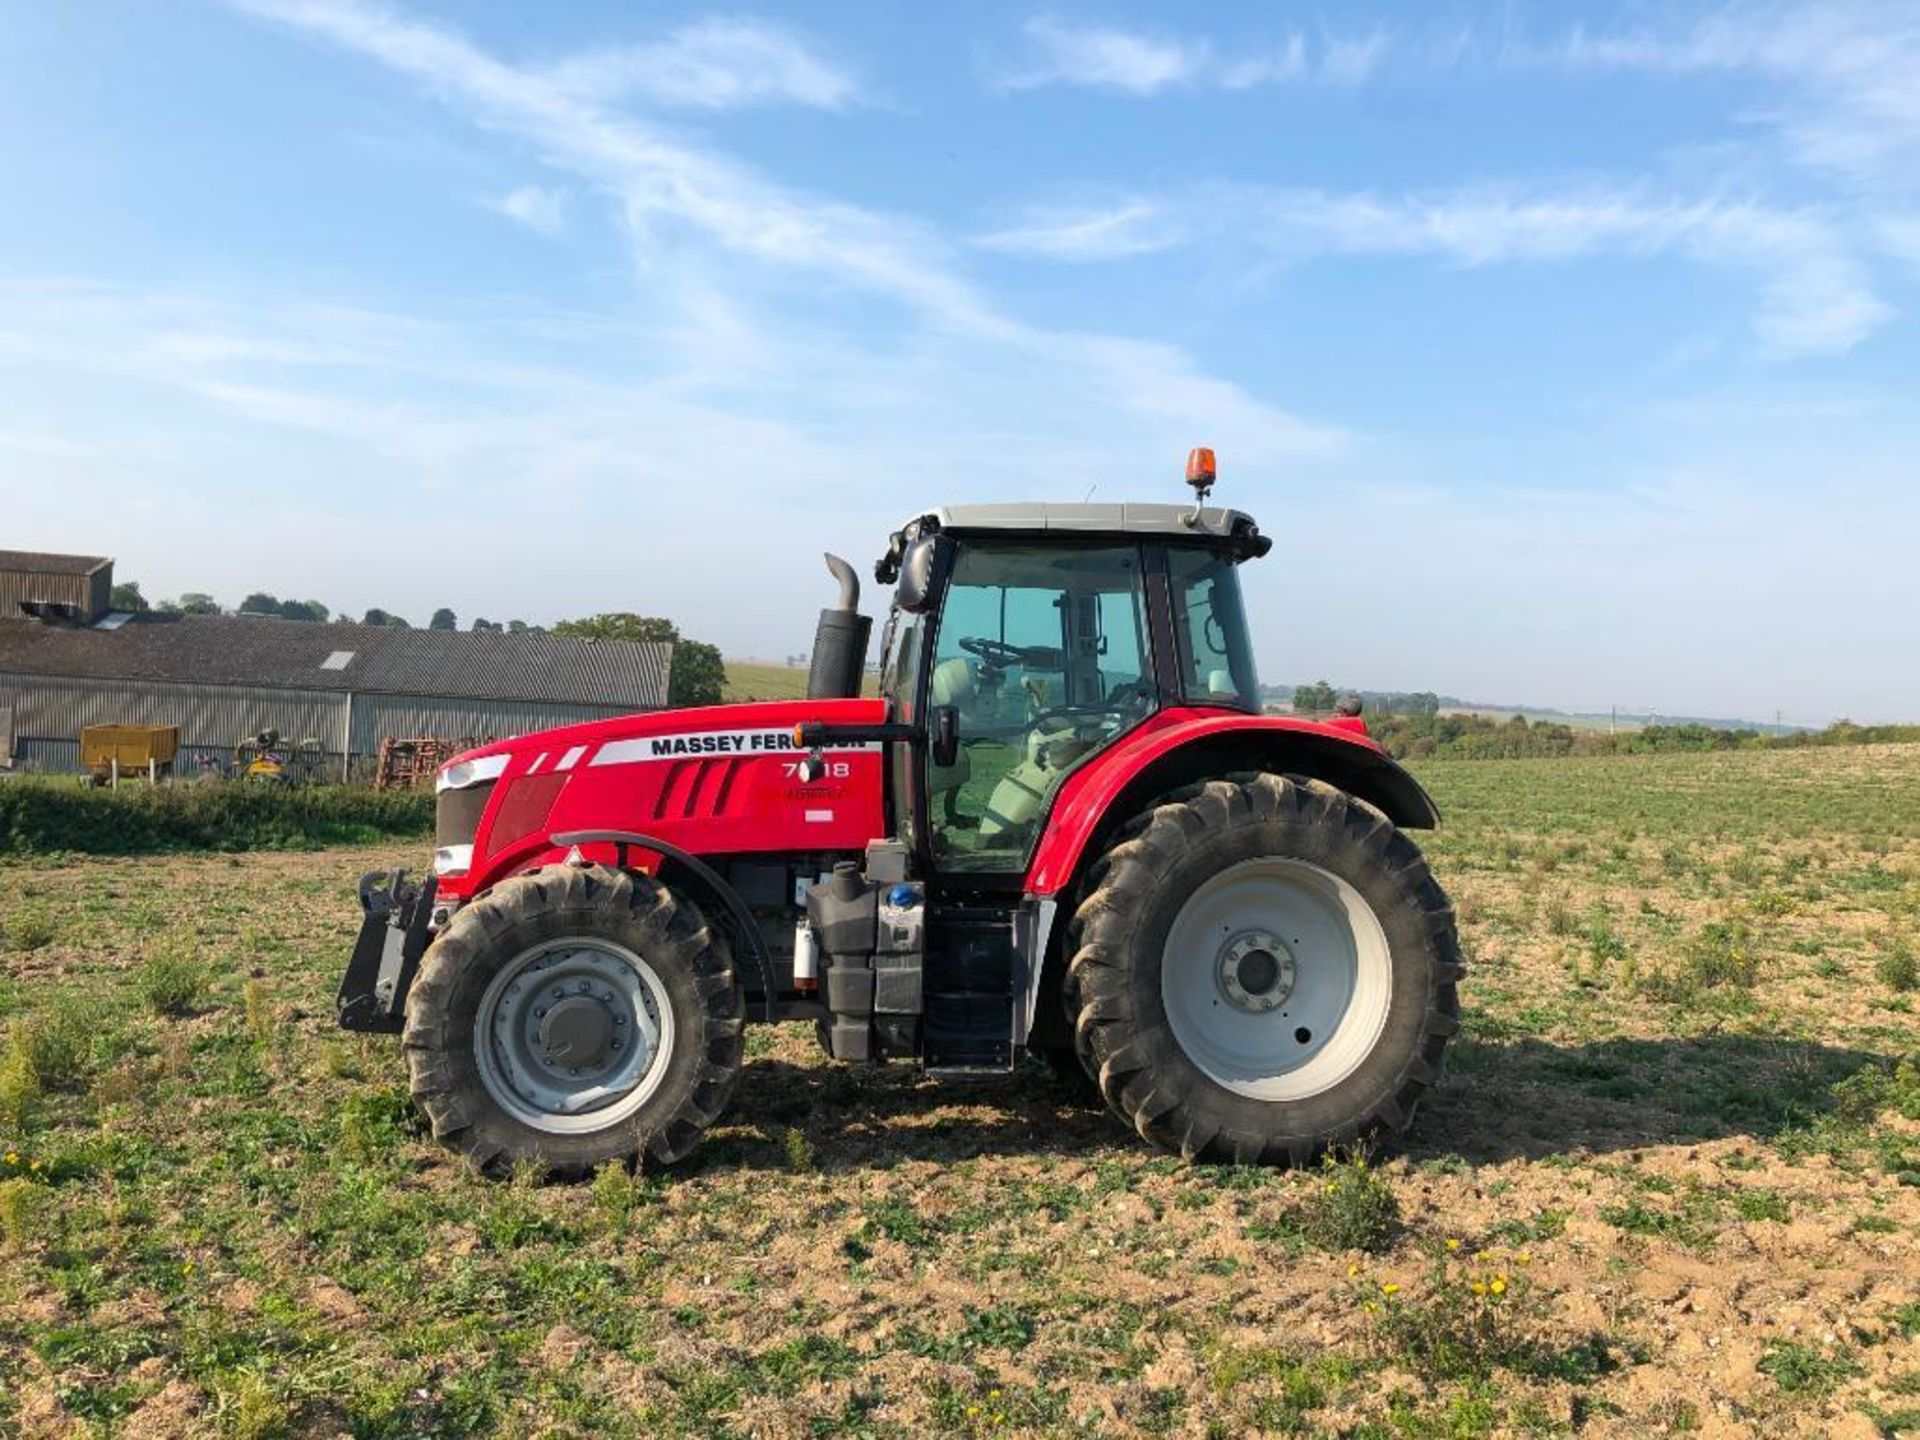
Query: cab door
pixel 1040 656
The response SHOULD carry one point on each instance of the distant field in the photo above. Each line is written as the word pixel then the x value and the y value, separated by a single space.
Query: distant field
pixel 752 680
pixel 1671 1186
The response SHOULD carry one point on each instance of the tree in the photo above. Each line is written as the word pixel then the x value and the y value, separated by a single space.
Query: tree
pixel 126 596
pixel 260 603
pixel 304 610
pixel 444 619
pixel 621 625
pixel 1423 702
pixel 521 627
pixel 698 675
pixel 480 624
pixel 194 602
pixel 376 616
pixel 1318 698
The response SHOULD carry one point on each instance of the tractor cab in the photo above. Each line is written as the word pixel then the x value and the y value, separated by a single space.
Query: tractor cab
pixel 1024 640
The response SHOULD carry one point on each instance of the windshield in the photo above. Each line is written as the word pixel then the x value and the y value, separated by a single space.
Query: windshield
pixel 1210 628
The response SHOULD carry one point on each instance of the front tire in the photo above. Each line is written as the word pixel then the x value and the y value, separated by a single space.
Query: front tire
pixel 1263 968
pixel 571 1017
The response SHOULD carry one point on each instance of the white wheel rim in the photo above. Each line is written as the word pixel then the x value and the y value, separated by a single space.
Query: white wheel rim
pixel 588 1001
pixel 1276 979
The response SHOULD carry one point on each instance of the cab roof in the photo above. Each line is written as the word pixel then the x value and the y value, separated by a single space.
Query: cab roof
pixel 1097 519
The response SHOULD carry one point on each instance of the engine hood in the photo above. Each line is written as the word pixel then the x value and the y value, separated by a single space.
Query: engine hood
pixel 714 779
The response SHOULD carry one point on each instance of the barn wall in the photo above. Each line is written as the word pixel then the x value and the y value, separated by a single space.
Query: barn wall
pixel 48 715
pixel 378 716
pixel 87 593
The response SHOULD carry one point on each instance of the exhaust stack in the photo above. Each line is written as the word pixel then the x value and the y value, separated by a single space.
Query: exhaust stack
pixel 839 641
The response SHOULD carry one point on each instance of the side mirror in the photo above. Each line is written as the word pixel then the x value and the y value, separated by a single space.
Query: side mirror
pixel 946 736
pixel 920 571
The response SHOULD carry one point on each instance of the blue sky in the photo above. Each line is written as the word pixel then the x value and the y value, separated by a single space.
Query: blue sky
pixel 1568 351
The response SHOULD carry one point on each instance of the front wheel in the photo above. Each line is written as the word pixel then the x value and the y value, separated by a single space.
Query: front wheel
pixel 574 1016
pixel 1263 968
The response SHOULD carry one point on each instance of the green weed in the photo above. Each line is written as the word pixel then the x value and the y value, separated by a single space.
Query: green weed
pixel 171 984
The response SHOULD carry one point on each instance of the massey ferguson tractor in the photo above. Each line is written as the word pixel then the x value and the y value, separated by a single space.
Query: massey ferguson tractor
pixel 1063 826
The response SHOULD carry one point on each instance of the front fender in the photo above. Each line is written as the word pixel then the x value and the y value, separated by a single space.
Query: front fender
pixel 1184 749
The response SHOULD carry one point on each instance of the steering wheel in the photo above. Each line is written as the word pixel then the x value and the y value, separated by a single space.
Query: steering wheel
pixel 994 652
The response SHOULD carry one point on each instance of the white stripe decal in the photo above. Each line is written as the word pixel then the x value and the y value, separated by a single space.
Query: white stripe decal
pixel 709 742
pixel 538 761
pixel 570 759
pixel 819 817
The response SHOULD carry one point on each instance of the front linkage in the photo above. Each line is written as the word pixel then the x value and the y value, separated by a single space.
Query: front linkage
pixel 393 937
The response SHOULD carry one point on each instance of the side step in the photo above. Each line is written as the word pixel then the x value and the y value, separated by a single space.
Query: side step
pixel 967 1022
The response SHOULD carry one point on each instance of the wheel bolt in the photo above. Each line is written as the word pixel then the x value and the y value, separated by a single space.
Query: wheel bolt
pixel 558 992
pixel 539 1013
pixel 619 1019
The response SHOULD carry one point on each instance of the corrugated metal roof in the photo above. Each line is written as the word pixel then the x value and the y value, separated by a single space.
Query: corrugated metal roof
pixel 255 650
pixel 35 562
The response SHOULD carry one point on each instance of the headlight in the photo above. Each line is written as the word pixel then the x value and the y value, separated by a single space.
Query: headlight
pixel 453 860
pixel 462 773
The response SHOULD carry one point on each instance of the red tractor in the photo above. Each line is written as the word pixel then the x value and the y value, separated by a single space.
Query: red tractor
pixel 1063 826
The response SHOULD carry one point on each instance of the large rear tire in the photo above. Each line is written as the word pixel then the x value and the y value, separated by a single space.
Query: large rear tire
pixel 1263 968
pixel 574 1016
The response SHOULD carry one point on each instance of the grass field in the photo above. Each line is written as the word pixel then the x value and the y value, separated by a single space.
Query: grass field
pixel 1671 1186
pixel 752 680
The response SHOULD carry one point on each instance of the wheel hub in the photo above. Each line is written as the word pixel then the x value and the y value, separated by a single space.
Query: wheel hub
pixel 1256 972
pixel 571 1031
pixel 575 1032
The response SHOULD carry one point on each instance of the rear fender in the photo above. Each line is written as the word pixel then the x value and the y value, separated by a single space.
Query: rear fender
pixel 1115 786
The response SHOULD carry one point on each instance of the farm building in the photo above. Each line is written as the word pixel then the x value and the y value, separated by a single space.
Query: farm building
pixel 67 661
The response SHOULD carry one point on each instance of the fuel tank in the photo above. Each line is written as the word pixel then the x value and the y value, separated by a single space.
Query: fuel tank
pixel 716 780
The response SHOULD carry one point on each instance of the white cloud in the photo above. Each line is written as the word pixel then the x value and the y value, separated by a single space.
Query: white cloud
pixel 1816 296
pixel 536 207
pixel 667 190
pixel 1348 62
pixel 1109 232
pixel 1855 66
pixel 1102 57
pixel 715 64
pixel 1105 58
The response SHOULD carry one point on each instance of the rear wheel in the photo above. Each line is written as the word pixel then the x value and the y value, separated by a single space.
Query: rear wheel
pixel 574 1016
pixel 1262 968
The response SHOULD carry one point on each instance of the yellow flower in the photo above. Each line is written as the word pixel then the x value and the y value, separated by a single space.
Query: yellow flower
pixel 1479 1287
pixel 1353 1270
pixel 186 1267
pixel 993 1394
pixel 973 1409
pixel 13 1157
pixel 1452 1245
pixel 1499 1285
pixel 1524 1258
pixel 1389 1288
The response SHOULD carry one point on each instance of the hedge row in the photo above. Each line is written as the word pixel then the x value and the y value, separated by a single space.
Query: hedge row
pixel 44 816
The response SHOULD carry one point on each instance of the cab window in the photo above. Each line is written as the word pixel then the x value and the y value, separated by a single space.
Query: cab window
pixel 1210 629
pixel 1042 655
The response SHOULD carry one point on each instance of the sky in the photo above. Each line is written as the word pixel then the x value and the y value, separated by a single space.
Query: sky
pixel 1568 352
